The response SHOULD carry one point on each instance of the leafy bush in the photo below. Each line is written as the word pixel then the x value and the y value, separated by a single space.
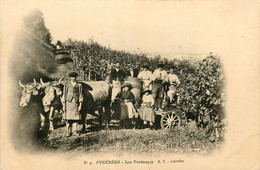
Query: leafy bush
pixel 202 95
pixel 35 22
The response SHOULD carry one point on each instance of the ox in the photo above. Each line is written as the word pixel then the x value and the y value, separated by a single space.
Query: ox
pixel 51 100
pixel 27 92
pixel 97 95
pixel 31 102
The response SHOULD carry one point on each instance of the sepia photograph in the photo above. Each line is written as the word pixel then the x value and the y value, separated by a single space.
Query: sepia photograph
pixel 130 84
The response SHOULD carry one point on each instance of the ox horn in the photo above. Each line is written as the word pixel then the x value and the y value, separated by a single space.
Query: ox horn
pixel 42 82
pixel 21 84
pixel 60 79
pixel 34 81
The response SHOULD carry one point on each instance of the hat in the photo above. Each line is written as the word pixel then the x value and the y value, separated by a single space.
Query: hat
pixel 117 64
pixel 147 90
pixel 160 65
pixel 126 85
pixel 73 74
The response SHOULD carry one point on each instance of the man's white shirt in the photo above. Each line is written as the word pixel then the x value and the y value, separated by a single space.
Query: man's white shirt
pixel 157 74
pixel 145 75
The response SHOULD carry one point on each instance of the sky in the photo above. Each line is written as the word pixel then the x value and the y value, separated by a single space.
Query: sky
pixel 172 29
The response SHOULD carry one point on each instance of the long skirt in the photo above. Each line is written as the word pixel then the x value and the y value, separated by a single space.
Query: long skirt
pixel 123 111
pixel 147 112
pixel 72 112
pixel 127 111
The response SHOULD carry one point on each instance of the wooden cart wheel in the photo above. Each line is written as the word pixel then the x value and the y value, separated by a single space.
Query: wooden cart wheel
pixel 170 120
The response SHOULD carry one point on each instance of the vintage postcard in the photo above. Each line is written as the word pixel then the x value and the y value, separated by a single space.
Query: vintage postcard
pixel 170 84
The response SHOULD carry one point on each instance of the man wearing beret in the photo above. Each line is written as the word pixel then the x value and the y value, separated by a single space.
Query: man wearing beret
pixel 159 79
pixel 72 102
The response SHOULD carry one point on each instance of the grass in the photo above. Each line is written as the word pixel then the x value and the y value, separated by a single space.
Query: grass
pixel 186 140
pixel 182 140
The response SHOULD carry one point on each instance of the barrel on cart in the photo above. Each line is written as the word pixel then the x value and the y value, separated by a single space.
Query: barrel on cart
pixel 136 89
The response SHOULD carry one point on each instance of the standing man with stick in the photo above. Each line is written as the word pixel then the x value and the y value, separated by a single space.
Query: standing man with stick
pixel 72 100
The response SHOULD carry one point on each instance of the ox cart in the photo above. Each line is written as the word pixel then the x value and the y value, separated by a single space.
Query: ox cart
pixel 171 116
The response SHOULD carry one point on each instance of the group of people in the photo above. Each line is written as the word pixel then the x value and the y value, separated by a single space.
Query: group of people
pixel 155 86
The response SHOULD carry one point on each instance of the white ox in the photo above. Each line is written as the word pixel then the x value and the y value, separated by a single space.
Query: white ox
pixel 51 100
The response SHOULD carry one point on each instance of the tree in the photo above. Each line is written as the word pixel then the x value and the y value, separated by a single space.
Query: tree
pixel 35 22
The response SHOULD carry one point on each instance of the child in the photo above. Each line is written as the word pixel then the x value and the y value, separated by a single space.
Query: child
pixel 147 112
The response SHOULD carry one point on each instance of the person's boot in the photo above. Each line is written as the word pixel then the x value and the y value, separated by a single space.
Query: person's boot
pixel 133 123
pixel 146 125
pixel 42 122
pixel 151 126
pixel 74 128
pixel 68 130
pixel 51 128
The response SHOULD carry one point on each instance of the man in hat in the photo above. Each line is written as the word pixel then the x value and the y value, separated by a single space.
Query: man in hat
pixel 117 77
pixel 72 100
pixel 132 72
pixel 145 76
pixel 159 79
